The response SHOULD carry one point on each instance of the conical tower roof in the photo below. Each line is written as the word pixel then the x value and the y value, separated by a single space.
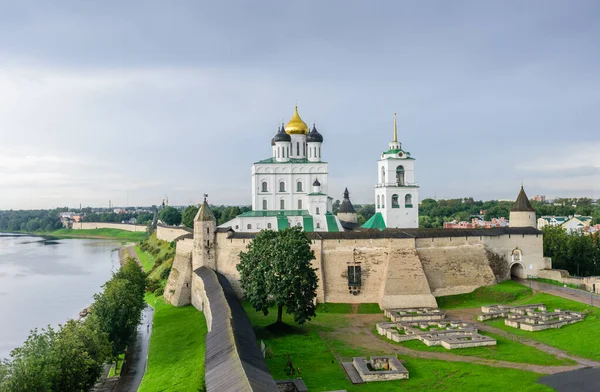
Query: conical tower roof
pixel 204 213
pixel 522 203
pixel 346 206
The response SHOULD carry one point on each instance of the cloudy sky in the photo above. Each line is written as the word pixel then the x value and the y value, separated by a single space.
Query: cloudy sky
pixel 135 100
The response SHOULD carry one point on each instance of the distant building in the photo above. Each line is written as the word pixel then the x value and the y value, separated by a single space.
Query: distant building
pixel 569 223
pixel 477 223
pixel 540 198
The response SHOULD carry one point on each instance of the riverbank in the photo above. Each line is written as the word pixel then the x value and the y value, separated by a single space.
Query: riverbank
pixel 108 234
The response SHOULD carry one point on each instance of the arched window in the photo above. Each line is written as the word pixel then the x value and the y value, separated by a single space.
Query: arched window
pixel 278 150
pixel 383 175
pixel 382 201
pixel 299 186
pixel 317 210
pixel 288 152
pixel 400 175
pixel 318 225
pixel 268 225
pixel 249 226
pixel 264 204
pixel 264 186
pixel 282 204
pixel 282 186
pixel 297 148
pixel 299 204
pixel 299 224
pixel 408 201
pixel 377 201
pixel 303 149
pixel 395 201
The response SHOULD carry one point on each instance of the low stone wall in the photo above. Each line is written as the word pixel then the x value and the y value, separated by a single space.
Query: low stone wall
pixel 171 233
pixel 591 283
pixel 233 359
pixel 104 225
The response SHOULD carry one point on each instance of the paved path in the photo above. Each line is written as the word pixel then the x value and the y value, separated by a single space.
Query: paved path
pixel 564 292
pixel 583 380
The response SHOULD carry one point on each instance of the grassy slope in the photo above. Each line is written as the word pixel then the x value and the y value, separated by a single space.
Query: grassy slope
pixel 177 348
pixel 98 233
pixel 343 308
pixel 148 260
pixel 505 292
pixel 320 368
pixel 504 350
pixel 578 339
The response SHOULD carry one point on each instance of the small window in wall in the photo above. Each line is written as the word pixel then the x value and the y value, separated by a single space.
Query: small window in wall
pixel 400 175
pixel 299 204
pixel 378 201
pixel 299 224
pixel 383 175
pixel 268 225
pixel 318 225
pixel 249 226
pixel 207 230
pixel 264 204
pixel 282 186
pixel 282 204
pixel 264 186
pixel 317 211
pixel 299 186
pixel 395 201
pixel 297 148
pixel 354 279
pixel 237 227
pixel 408 201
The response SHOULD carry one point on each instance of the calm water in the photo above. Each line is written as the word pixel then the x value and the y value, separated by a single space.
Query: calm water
pixel 47 282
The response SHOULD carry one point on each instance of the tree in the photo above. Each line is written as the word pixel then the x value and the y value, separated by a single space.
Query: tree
pixel 336 206
pixel 276 271
pixel 188 216
pixel 171 216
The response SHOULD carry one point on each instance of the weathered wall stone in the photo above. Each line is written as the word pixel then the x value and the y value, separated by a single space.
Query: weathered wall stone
pixel 170 233
pixel 178 288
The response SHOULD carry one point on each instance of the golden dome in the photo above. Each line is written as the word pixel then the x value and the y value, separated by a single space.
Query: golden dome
pixel 296 126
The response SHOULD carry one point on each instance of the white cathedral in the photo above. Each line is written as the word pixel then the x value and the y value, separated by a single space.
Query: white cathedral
pixel 290 188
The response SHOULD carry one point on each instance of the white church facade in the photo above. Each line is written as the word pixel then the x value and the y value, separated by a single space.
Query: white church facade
pixel 290 188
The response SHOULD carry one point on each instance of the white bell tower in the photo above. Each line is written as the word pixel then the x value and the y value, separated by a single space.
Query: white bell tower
pixel 396 192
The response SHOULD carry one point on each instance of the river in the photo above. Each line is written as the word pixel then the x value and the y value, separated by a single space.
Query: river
pixel 48 281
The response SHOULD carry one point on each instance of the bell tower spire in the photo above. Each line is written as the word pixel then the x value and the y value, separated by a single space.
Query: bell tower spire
pixel 395 144
pixel 395 129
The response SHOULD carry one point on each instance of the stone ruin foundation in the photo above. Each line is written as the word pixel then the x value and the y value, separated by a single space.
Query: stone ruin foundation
pixel 531 318
pixel 414 314
pixel 449 334
pixel 378 368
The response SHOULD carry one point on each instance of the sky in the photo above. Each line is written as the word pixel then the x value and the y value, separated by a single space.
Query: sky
pixel 135 101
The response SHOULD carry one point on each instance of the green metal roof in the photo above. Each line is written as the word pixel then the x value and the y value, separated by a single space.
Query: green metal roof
pixel 317 194
pixel 332 226
pixel 308 223
pixel 376 222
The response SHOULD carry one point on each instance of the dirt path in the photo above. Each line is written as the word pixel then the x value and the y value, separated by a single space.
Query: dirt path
pixel 129 251
pixel 359 332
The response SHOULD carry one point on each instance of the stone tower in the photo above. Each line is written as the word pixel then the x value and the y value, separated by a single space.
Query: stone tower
pixel 522 214
pixel 205 227
pixel 396 192
pixel 346 212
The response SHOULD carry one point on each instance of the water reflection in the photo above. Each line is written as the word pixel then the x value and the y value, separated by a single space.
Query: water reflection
pixel 48 281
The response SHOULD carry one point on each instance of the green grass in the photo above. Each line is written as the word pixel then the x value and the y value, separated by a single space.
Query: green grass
pixel 343 308
pixel 146 259
pixel 504 350
pixel 112 372
pixel 318 355
pixel 177 348
pixel 578 339
pixel 98 233
pixel 505 292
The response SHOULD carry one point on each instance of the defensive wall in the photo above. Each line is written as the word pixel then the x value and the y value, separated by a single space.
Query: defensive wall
pixel 398 267
pixel 171 233
pixel 589 283
pixel 106 225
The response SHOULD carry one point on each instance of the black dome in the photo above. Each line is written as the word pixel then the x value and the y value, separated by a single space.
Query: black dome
pixel 314 136
pixel 281 136
pixel 316 183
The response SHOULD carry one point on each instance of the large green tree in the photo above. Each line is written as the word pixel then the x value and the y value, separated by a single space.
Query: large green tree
pixel 188 216
pixel 276 271
pixel 171 216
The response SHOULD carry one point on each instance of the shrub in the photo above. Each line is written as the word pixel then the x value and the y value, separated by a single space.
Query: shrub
pixel 152 285
pixel 165 273
pixel 159 291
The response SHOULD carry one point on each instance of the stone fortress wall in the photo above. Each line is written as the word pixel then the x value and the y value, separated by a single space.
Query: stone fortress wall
pixel 170 233
pixel 399 268
pixel 105 225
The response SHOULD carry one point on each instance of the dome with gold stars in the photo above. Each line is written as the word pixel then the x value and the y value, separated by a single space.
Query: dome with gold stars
pixel 296 126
